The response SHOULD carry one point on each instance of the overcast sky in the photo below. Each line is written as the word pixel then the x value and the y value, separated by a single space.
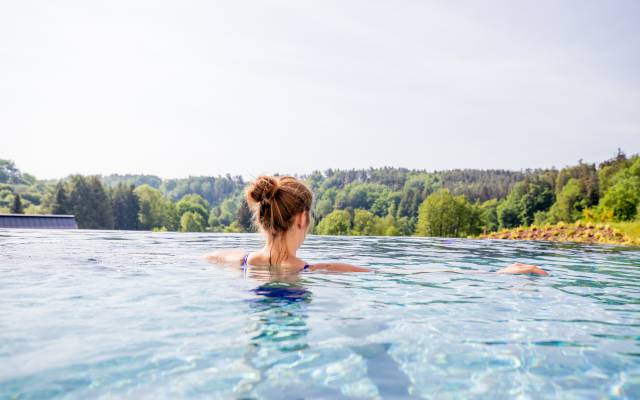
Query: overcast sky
pixel 178 88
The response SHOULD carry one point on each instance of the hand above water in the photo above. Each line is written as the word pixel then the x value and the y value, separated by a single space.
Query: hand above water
pixel 526 269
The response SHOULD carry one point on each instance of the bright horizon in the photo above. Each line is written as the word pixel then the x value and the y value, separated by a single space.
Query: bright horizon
pixel 209 88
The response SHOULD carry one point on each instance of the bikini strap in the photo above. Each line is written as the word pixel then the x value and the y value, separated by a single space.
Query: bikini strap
pixel 245 264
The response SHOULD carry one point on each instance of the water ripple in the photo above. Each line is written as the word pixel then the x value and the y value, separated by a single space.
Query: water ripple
pixel 102 314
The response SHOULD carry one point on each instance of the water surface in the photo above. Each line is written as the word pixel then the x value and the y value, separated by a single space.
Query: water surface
pixel 95 314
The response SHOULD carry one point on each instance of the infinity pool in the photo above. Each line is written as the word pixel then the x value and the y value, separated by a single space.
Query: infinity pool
pixel 95 314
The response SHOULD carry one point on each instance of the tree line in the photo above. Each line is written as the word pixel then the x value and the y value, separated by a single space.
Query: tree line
pixel 374 201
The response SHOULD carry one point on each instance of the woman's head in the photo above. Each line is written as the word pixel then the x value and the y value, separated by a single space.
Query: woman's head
pixel 278 203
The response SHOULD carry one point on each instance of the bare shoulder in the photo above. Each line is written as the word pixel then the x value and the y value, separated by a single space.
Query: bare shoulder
pixel 226 257
pixel 337 267
pixel 524 269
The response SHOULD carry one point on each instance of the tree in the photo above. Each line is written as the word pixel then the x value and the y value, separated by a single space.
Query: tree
pixel 404 226
pixel 386 202
pixel 213 189
pixel 338 222
pixel 114 180
pixel 415 190
pixel 228 210
pixel 245 217
pixel 363 196
pixel 9 173
pixel 233 228
pixel 214 220
pixel 365 223
pixel 442 214
pixel 508 215
pixel 610 168
pixel 17 208
pixel 193 203
pixel 489 215
pixel 569 204
pixel 623 197
pixel 525 199
pixel 585 179
pixel 192 222
pixel 125 207
pixel 90 203
pixel 156 212
pixel 60 204
pixel 325 202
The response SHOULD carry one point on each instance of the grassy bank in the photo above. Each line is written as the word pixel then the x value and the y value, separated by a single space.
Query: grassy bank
pixel 611 233
pixel 630 229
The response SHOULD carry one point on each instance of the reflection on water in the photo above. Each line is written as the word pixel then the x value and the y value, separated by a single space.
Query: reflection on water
pixel 279 313
pixel 278 330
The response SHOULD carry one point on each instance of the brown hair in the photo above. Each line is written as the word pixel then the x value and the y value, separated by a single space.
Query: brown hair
pixel 275 201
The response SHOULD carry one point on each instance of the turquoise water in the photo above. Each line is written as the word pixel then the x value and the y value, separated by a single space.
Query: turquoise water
pixel 91 314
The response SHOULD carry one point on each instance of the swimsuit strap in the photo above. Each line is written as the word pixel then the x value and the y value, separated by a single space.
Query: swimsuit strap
pixel 245 264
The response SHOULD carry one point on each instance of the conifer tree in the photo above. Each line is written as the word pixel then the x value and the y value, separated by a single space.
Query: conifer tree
pixel 90 203
pixel 245 219
pixel 61 201
pixel 125 207
pixel 17 208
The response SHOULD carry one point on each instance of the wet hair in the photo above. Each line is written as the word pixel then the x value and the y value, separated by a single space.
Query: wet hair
pixel 276 200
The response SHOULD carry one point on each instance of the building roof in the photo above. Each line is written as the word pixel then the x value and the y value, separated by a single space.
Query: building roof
pixel 37 221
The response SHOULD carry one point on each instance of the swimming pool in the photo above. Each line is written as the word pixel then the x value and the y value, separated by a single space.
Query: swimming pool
pixel 86 314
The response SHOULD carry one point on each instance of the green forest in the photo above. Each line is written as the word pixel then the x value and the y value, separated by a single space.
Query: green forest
pixel 376 201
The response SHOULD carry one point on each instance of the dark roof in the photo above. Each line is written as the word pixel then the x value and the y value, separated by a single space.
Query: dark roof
pixel 37 221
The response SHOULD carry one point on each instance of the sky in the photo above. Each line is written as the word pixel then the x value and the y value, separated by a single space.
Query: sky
pixel 247 87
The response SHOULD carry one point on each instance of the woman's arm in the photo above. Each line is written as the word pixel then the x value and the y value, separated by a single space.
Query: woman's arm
pixel 513 269
pixel 226 257
pixel 337 267
pixel 234 258
pixel 525 269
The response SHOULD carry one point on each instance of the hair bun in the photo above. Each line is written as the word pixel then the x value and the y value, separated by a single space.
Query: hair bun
pixel 263 189
pixel 275 201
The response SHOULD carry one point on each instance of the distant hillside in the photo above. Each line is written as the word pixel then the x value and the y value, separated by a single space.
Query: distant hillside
pixel 374 201
pixel 114 180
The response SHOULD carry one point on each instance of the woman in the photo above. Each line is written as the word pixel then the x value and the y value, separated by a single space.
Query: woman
pixel 281 207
